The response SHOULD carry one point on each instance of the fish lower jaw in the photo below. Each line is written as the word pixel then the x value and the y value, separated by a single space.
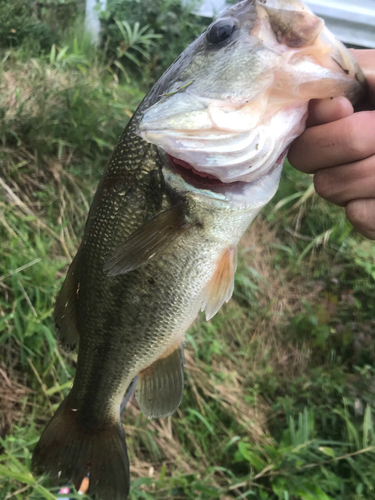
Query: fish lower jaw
pixel 240 195
pixel 206 181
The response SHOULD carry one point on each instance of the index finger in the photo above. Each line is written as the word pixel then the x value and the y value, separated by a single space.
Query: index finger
pixel 349 140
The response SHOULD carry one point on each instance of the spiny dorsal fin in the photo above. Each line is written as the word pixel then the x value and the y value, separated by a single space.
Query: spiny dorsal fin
pixel 161 386
pixel 149 241
pixel 220 287
pixel 65 316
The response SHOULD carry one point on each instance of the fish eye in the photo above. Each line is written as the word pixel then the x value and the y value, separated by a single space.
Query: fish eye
pixel 221 31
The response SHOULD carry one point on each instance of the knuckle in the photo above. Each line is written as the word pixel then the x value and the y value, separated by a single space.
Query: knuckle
pixel 352 139
pixel 297 154
pixel 361 214
pixel 357 136
pixel 322 184
pixel 357 213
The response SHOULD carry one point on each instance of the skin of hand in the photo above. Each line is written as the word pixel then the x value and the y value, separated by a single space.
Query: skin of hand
pixel 338 147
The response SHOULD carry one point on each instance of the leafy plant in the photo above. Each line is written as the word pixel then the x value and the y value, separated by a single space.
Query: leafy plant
pixel 20 24
pixel 136 40
pixel 62 57
pixel 171 20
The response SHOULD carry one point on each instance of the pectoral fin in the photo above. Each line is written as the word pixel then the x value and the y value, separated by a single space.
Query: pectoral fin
pixel 220 288
pixel 161 386
pixel 149 241
pixel 65 309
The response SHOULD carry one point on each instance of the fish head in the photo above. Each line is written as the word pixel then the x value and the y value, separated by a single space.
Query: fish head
pixel 231 104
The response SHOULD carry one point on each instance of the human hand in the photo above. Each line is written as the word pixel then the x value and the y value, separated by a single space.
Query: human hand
pixel 339 148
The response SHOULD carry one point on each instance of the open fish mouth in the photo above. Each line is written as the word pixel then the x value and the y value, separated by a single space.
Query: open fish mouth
pixel 219 155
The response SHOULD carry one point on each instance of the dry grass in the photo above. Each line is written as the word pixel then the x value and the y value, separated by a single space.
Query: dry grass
pixel 12 396
pixel 282 295
pixel 25 87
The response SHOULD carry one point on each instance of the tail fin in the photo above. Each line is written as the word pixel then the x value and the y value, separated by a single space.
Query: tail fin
pixel 68 451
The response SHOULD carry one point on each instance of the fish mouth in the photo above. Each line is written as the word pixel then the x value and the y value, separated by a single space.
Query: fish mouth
pixel 196 178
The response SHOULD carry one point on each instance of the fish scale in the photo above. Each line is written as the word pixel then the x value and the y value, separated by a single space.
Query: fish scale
pixel 160 239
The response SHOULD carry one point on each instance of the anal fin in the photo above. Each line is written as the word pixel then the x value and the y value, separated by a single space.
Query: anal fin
pixel 148 241
pixel 220 287
pixel 161 386
pixel 65 316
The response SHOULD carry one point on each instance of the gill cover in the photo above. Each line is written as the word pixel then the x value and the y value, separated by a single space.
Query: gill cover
pixel 237 97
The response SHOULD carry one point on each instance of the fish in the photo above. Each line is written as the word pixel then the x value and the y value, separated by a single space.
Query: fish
pixel 200 158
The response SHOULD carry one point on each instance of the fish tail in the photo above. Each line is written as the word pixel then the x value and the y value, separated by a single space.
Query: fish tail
pixel 70 452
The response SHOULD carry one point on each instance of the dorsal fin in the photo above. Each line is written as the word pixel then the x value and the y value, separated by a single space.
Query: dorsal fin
pixel 220 287
pixel 149 241
pixel 161 386
pixel 64 315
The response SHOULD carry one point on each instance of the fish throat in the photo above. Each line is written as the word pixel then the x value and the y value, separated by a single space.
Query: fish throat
pixel 196 178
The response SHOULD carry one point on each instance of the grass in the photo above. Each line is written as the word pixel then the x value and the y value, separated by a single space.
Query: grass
pixel 279 399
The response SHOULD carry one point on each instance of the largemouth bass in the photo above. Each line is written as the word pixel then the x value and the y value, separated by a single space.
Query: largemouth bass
pixel 200 158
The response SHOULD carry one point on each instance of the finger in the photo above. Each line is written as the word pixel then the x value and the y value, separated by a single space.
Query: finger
pixel 361 213
pixel 344 183
pixel 328 110
pixel 347 140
